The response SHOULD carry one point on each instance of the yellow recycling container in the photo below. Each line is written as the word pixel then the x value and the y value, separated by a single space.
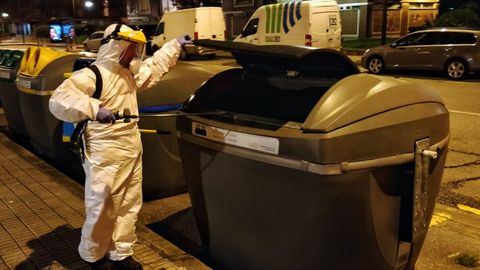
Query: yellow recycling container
pixel 40 73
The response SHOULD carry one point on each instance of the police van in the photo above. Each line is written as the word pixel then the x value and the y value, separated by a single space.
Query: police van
pixel 308 23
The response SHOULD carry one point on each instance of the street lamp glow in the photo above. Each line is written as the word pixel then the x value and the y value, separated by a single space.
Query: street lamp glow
pixel 88 4
pixel 4 15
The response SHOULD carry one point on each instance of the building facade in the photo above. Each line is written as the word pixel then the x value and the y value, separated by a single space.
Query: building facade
pixel 360 18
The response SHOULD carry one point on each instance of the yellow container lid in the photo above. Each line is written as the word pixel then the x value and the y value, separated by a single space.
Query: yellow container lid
pixel 26 56
pixel 36 59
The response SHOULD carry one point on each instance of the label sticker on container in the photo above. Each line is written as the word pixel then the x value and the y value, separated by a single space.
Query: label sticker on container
pixel 24 83
pixel 5 74
pixel 255 142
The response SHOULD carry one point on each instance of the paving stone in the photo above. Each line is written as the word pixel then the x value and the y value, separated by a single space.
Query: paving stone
pixel 41 215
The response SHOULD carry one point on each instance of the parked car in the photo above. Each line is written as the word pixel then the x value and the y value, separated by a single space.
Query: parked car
pixel 92 43
pixel 454 51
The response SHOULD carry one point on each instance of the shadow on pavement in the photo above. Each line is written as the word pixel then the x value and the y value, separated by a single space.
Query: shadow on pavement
pixel 54 249
pixel 181 230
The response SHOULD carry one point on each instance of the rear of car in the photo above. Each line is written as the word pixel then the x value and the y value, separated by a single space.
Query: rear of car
pixel 92 43
pixel 456 52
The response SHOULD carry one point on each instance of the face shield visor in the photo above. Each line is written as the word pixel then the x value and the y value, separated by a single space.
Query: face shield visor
pixel 134 43
pixel 132 57
pixel 134 37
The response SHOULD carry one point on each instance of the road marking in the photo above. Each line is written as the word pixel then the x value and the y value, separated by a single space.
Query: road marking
pixel 467 113
pixel 469 209
pixel 439 218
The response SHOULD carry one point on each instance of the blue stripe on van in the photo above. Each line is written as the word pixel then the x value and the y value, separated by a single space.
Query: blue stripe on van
pixel 299 15
pixel 292 19
pixel 285 12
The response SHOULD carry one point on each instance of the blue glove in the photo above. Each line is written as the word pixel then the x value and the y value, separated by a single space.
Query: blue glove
pixel 184 39
pixel 105 116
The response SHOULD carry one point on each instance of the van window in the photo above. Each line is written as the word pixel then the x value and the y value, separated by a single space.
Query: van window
pixel 434 38
pixel 159 30
pixel 413 39
pixel 251 28
pixel 462 38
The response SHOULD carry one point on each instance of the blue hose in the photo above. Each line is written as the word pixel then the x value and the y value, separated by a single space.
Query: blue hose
pixel 160 108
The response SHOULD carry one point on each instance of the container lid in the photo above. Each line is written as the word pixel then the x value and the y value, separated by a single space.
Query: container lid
pixel 36 59
pixel 278 59
pixel 361 96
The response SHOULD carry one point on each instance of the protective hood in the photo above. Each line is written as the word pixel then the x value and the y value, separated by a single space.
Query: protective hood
pixel 109 54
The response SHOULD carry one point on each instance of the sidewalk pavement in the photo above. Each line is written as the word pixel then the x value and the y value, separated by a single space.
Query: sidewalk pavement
pixel 41 214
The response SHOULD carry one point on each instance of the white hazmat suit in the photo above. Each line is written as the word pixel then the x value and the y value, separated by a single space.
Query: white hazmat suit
pixel 113 152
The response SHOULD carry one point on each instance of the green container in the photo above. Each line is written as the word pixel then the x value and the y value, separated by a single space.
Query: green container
pixel 9 64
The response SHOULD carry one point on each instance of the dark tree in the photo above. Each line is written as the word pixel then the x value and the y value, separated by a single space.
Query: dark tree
pixel 466 15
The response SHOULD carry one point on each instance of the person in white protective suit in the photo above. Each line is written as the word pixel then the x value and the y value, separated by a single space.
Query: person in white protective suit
pixel 112 149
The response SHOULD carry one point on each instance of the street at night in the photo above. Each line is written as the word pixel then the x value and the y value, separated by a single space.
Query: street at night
pixel 240 134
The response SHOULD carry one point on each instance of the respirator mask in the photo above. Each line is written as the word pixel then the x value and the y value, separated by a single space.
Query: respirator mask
pixel 132 57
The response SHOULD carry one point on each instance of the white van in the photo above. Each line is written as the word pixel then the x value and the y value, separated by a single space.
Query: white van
pixel 199 23
pixel 308 23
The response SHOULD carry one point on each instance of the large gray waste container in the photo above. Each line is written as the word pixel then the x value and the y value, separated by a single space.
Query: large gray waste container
pixel 308 165
pixel 41 72
pixel 9 64
pixel 162 165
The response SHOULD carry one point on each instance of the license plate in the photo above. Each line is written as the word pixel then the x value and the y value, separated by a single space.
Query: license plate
pixel 5 74
pixel 24 83
pixel 255 142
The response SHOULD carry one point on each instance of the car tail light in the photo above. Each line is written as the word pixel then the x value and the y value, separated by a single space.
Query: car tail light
pixel 308 40
pixel 195 35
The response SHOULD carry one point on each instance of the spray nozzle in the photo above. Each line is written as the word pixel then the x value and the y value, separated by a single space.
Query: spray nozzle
pixel 125 115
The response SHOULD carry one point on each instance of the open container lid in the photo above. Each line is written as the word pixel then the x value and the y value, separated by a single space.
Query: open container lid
pixel 324 93
pixel 310 62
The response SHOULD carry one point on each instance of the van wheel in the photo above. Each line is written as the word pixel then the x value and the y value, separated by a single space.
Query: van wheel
pixel 376 65
pixel 456 69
